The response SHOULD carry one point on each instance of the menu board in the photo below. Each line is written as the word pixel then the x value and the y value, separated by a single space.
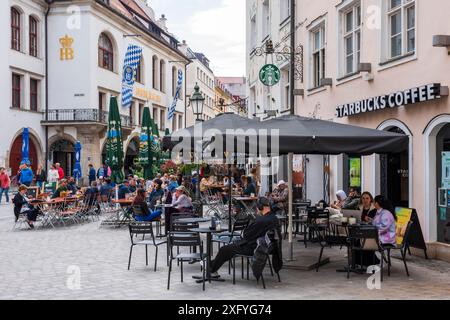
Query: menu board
pixel 403 218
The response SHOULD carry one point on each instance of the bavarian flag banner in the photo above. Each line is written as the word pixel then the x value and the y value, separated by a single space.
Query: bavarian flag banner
pixel 173 107
pixel 130 65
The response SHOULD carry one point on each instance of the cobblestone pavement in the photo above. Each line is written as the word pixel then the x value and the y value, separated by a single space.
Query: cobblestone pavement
pixel 43 264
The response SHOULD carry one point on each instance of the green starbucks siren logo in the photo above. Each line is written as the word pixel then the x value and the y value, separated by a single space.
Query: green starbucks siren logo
pixel 270 75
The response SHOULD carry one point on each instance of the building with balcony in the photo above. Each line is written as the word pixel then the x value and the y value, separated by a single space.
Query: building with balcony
pixel 87 42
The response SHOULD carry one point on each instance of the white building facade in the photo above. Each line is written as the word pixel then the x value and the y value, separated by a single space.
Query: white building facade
pixel 87 42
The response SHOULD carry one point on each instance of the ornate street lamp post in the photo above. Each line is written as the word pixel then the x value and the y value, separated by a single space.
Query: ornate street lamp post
pixel 197 101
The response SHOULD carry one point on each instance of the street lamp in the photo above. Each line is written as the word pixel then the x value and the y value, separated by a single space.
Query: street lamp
pixel 197 100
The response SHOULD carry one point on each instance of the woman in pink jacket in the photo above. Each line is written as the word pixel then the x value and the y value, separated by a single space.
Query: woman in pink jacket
pixel 5 183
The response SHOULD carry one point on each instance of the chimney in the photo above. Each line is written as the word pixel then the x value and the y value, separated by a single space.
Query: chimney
pixel 162 22
pixel 183 46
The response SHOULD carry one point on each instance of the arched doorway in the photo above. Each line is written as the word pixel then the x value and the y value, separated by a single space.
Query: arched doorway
pixel 443 183
pixel 15 156
pixel 63 152
pixel 394 175
pixel 131 156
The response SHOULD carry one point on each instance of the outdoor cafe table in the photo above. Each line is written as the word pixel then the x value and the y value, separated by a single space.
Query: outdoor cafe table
pixel 209 234
pixel 339 228
pixel 248 203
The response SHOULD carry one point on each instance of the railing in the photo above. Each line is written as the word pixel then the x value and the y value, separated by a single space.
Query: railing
pixel 84 115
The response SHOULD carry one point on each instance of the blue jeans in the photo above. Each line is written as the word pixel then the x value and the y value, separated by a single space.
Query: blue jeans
pixel 39 184
pixel 6 192
pixel 148 218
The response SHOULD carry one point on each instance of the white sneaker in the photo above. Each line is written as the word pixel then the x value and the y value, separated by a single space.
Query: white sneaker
pixel 215 275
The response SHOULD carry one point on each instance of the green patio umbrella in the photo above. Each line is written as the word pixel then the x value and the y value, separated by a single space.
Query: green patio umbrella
pixel 145 150
pixel 114 143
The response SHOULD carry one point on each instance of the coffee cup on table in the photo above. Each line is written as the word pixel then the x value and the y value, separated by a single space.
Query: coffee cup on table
pixel 344 220
pixel 252 195
pixel 352 221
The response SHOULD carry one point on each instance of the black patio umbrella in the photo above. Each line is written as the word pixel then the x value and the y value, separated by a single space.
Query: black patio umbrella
pixel 290 134
pixel 300 135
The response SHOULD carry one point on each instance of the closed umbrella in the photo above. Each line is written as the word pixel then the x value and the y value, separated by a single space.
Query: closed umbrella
pixel 25 147
pixel 115 142
pixel 145 151
pixel 77 170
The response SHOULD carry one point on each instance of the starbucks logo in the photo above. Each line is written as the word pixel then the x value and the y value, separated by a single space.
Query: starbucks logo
pixel 270 75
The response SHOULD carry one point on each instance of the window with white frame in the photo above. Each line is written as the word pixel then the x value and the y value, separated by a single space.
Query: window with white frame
pixel 318 54
pixel 401 27
pixel 266 18
pixel 285 9
pixel 350 31
pixel 253 31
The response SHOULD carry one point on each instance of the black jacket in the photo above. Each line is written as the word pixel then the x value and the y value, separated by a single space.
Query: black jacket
pixel 258 229
pixel 19 201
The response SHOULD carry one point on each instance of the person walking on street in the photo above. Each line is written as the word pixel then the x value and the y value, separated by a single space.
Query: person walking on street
pixel 53 176
pixel 61 174
pixel 91 174
pixel 101 172
pixel 26 176
pixel 5 183
pixel 41 176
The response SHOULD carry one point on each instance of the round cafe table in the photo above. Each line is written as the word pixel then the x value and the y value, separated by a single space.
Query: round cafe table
pixel 209 234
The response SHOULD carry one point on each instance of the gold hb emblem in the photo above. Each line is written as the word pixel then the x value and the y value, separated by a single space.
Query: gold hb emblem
pixel 66 52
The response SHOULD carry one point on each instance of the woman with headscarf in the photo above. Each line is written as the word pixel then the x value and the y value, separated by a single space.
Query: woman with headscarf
pixel 339 203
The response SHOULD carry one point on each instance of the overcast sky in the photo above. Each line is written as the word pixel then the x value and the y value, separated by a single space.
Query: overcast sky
pixel 213 27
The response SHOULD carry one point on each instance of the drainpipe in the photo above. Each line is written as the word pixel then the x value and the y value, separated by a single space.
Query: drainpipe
pixel 49 2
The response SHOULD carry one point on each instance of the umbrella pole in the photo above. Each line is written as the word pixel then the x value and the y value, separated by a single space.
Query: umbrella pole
pixel 229 198
pixel 290 205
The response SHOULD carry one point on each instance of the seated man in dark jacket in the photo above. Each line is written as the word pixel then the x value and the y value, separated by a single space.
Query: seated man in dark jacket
pixel 266 221
pixel 124 189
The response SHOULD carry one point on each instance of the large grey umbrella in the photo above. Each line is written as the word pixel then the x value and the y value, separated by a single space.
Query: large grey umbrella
pixel 289 135
pixel 300 135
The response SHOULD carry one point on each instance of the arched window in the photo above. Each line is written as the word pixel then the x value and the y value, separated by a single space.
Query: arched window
pixel 174 81
pixel 162 76
pixel 33 37
pixel 15 29
pixel 155 72
pixel 105 53
pixel 139 71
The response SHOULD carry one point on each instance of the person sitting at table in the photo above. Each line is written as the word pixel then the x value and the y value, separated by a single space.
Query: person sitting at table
pixel 204 185
pixel 173 184
pixel 249 187
pixel 72 185
pixel 180 201
pixel 156 194
pixel 91 194
pixel 265 221
pixel 144 213
pixel 124 189
pixel 133 185
pixel 105 190
pixel 280 195
pixel 385 220
pixel 61 189
pixel 367 207
pixel 21 206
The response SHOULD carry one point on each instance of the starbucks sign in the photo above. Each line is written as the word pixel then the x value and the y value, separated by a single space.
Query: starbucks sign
pixel 270 75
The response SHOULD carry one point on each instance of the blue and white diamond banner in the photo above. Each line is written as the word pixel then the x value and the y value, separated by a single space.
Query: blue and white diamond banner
pixel 130 65
pixel 173 107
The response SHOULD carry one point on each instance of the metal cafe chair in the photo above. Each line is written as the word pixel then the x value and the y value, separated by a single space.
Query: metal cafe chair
pixel 364 238
pixel 317 221
pixel 144 229
pixel 189 240
pixel 403 247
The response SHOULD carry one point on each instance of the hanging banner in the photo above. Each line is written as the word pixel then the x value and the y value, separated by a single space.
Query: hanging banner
pixel 25 146
pixel 173 107
pixel 130 65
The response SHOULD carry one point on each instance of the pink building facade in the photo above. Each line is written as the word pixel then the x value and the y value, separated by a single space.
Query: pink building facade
pixel 378 64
